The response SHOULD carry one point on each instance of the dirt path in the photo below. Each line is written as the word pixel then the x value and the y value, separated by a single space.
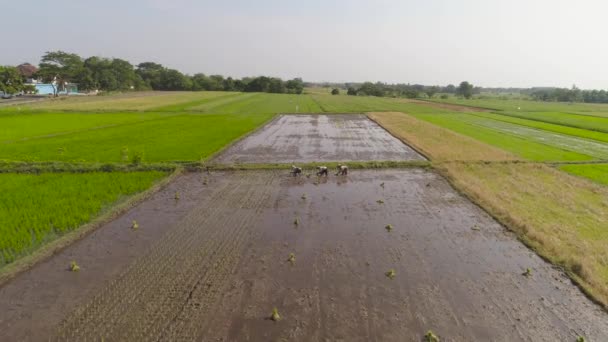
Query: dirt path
pixel 216 273
pixel 310 138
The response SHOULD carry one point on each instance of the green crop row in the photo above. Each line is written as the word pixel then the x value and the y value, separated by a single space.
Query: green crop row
pixel 38 208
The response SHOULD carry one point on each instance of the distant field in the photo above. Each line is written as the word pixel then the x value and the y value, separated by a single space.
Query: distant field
pixel 143 101
pixel 595 172
pixel 38 208
pixel 260 103
pixel 19 125
pixel 171 138
pixel 519 140
pixel 532 106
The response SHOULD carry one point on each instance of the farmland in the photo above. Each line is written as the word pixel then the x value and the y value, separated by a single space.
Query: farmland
pixel 217 250
pixel 38 208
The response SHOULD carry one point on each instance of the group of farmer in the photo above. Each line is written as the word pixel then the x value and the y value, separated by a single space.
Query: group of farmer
pixel 342 170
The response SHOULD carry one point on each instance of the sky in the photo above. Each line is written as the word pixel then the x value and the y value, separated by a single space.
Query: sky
pixel 491 43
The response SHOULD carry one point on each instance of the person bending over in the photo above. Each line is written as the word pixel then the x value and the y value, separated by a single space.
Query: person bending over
pixel 322 171
pixel 342 170
pixel 296 171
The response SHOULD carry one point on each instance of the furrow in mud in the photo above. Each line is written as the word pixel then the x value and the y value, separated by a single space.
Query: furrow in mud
pixel 179 276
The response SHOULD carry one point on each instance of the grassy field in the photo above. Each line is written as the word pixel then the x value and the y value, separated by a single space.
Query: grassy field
pixel 532 106
pixel 17 126
pixel 437 143
pixel 595 172
pixel 38 208
pixel 520 140
pixel 143 101
pixel 166 138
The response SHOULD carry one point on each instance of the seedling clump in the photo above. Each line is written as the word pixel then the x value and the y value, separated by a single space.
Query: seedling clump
pixel 431 337
pixel 389 227
pixel 134 225
pixel 382 184
pixel 176 195
pixel 391 273
pixel 303 196
pixel 580 339
pixel 528 272
pixel 275 315
pixel 475 227
pixel 74 266
pixel 296 222
pixel 292 258
pixel 380 201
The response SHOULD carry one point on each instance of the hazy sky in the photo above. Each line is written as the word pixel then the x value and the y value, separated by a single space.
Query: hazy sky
pixel 487 42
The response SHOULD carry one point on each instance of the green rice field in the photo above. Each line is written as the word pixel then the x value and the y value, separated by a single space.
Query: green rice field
pixel 38 208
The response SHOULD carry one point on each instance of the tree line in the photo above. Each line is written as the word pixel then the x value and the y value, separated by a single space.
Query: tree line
pixel 465 89
pixel 114 74
pixel 573 94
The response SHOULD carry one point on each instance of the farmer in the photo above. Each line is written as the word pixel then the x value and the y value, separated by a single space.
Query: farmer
pixel 296 171
pixel 322 171
pixel 342 170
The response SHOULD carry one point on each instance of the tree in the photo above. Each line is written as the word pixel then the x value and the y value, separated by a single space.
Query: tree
pixel 335 91
pixel 431 91
pixel 295 86
pixel 11 81
pixel 351 91
pixel 150 73
pixel 59 68
pixel 465 89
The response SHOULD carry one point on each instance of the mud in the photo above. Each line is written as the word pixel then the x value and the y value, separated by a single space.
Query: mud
pixel 216 273
pixel 312 138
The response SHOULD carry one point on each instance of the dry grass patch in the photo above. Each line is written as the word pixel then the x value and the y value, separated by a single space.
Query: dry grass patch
pixel 562 217
pixel 437 143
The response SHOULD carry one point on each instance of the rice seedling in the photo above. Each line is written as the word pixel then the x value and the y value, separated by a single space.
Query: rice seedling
pixel 275 315
pixel 430 337
pixel 380 201
pixel 304 196
pixel 391 273
pixel 389 227
pixel 580 339
pixel 475 227
pixel 134 225
pixel 176 196
pixel 292 258
pixel 38 208
pixel 527 273
pixel 382 185
pixel 74 266
pixel 61 150
pixel 296 221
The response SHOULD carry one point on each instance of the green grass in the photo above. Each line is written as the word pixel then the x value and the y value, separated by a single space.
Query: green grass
pixel 508 139
pixel 137 101
pixel 260 103
pixel 172 138
pixel 38 208
pixel 595 172
pixel 589 122
pixel 532 106
pixel 20 125
pixel 577 132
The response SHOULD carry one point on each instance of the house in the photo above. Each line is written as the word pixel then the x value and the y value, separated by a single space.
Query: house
pixel 48 89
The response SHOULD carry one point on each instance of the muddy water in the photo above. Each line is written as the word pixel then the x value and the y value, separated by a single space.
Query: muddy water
pixel 310 138
pixel 216 273
pixel 458 272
